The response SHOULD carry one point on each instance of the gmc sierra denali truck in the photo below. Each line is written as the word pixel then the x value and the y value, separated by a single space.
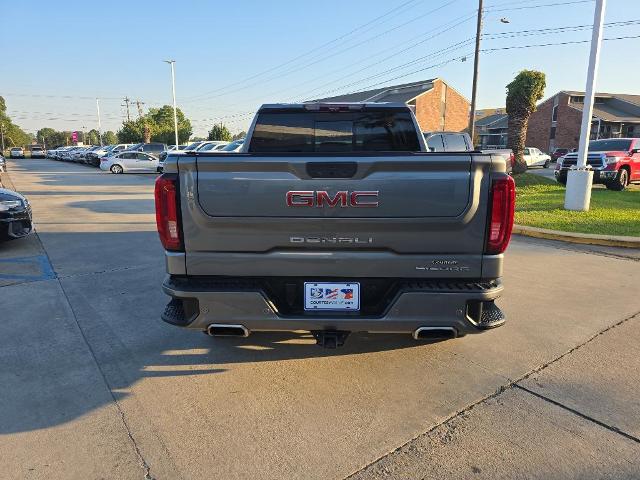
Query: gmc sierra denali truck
pixel 334 218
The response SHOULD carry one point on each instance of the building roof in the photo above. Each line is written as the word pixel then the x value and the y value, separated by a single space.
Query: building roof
pixel 616 107
pixel 395 93
pixel 497 120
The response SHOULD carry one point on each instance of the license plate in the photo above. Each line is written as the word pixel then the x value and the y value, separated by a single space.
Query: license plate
pixel 331 296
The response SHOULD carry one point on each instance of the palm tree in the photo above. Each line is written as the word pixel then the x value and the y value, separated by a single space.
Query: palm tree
pixel 522 94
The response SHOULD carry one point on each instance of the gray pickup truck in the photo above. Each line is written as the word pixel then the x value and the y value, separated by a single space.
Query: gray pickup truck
pixel 334 218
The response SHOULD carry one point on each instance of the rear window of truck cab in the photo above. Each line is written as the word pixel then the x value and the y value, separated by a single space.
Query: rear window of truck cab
pixel 334 132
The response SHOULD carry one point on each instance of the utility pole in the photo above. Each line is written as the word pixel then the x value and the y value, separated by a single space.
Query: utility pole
pixel 99 124
pixel 476 58
pixel 577 196
pixel 2 134
pixel 126 104
pixel 139 105
pixel 173 90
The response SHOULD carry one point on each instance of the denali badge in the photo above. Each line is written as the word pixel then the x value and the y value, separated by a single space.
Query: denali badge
pixel 332 240
pixel 321 198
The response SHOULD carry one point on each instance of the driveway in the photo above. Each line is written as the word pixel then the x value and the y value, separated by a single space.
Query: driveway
pixel 94 385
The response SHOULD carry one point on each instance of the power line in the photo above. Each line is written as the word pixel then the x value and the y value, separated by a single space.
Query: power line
pixel 572 42
pixel 302 55
pixel 526 7
pixel 326 57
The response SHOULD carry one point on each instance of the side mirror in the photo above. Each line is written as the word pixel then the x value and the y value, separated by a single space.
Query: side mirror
pixel 634 150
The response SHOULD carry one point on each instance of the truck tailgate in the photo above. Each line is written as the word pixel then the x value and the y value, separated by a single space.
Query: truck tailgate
pixel 430 207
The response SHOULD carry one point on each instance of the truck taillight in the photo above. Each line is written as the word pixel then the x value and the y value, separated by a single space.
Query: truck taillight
pixel 168 211
pixel 503 201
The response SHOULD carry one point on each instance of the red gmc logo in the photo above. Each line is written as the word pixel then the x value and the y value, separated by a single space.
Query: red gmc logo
pixel 321 198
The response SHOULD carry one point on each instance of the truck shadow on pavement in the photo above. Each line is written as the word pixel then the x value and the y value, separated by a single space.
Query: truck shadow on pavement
pixel 88 335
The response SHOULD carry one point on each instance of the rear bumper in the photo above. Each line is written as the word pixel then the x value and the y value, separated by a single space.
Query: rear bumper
pixel 199 302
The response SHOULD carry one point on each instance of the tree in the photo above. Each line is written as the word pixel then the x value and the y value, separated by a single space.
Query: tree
pixel 156 126
pixel 13 134
pixel 160 121
pixel 522 94
pixel 46 135
pixel 240 135
pixel 220 132
pixel 109 138
pixel 131 132
pixel 93 137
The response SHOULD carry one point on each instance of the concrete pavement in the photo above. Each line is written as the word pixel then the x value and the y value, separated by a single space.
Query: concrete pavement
pixel 96 386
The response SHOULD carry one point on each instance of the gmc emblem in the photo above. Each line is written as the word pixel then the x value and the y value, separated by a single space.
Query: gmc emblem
pixel 321 198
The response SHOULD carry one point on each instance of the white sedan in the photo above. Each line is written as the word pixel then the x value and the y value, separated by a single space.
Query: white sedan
pixel 128 161
pixel 535 158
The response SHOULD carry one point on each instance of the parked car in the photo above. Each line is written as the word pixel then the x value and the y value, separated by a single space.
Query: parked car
pixel 68 153
pixel 559 152
pixel 234 146
pixel 152 148
pixel 461 142
pixel 93 158
pixel 3 164
pixel 75 155
pixel 129 161
pixel 615 162
pixel 448 141
pixel 16 152
pixel 172 148
pixel 37 152
pixel 533 157
pixel 59 152
pixel 212 146
pixel 193 146
pixel 15 215
pixel 414 247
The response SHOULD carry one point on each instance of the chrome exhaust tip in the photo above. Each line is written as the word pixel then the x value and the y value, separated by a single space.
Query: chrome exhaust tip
pixel 435 333
pixel 227 330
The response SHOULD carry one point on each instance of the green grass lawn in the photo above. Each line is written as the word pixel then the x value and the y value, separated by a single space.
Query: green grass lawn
pixel 540 201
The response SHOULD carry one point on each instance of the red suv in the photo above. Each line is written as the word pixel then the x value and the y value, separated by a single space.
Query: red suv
pixel 615 162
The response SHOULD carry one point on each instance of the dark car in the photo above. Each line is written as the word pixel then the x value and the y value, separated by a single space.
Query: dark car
pixel 559 152
pixel 154 149
pixel 15 215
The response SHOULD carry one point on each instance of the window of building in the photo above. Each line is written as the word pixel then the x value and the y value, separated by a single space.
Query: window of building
pixel 554 115
pixel 552 133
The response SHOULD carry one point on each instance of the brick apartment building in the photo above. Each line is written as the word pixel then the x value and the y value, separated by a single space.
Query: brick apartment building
pixel 437 105
pixel 556 122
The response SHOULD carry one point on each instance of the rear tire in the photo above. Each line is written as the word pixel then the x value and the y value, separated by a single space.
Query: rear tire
pixel 546 164
pixel 620 182
pixel 117 169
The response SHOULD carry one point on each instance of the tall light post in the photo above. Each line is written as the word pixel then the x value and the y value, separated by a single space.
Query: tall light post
pixel 476 58
pixel 99 124
pixel 173 90
pixel 579 180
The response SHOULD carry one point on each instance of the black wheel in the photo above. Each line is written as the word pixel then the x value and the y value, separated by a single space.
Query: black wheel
pixel 620 182
pixel 116 169
pixel 546 164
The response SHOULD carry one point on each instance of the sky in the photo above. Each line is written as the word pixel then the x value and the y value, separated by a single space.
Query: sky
pixel 233 56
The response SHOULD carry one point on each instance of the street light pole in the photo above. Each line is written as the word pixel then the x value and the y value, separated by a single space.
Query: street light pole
pixel 476 58
pixel 99 124
pixel 579 180
pixel 2 134
pixel 173 90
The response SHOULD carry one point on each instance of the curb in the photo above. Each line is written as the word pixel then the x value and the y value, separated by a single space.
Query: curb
pixel 573 237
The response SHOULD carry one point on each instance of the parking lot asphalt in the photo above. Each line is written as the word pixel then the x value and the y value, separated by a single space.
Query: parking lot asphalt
pixel 94 385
